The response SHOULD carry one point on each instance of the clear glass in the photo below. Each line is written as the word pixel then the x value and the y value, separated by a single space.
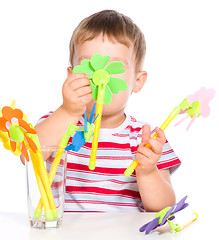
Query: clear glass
pixel 57 187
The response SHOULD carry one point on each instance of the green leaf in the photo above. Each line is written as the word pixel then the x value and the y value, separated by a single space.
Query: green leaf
pixel 98 61
pixel 115 68
pixel 107 95
pixel 84 67
pixel 117 84
pixel 95 90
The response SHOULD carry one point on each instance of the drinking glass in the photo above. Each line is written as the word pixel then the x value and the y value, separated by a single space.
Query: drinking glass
pixel 57 187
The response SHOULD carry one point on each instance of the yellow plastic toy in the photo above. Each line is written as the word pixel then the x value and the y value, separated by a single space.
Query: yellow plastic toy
pixel 18 136
pixel 193 106
pixel 44 197
pixel 64 141
pixel 103 85
pixel 183 105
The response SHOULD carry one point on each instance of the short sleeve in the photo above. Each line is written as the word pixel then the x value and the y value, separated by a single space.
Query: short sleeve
pixel 44 117
pixel 168 159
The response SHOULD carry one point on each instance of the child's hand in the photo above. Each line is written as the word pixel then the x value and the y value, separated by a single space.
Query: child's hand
pixel 76 93
pixel 146 157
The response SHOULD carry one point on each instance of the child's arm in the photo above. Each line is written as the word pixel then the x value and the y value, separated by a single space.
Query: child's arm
pixel 76 94
pixel 154 185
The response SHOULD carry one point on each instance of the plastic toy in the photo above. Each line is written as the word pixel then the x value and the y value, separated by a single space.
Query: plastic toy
pixel 4 138
pixel 64 141
pixel 200 105
pixel 81 137
pixel 194 105
pixel 103 86
pixel 14 131
pixel 45 199
pixel 17 135
pixel 167 215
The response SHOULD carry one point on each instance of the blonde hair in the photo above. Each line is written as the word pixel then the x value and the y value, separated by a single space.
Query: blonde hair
pixel 115 26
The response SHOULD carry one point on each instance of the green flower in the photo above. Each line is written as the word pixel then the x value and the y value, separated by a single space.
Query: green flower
pixel 102 82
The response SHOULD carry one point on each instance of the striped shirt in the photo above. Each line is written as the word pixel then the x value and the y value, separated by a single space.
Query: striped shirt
pixel 106 189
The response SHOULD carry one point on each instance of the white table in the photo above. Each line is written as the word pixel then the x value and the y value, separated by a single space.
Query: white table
pixel 96 226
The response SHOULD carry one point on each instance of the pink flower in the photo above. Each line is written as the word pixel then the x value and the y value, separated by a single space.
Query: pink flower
pixel 204 96
pixel 200 105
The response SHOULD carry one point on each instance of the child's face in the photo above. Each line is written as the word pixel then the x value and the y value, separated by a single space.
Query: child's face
pixel 117 52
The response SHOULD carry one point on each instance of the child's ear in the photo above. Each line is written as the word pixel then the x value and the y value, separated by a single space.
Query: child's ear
pixel 141 78
pixel 69 70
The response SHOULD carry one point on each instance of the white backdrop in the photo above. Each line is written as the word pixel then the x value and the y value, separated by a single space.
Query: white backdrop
pixel 182 55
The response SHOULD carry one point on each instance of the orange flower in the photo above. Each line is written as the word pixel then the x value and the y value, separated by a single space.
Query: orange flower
pixel 12 123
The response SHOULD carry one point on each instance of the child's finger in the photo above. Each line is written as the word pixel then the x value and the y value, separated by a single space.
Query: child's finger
pixel 80 92
pixel 155 145
pixel 74 76
pixel 79 83
pixel 160 135
pixel 85 99
pixel 146 152
pixel 146 134
pixel 141 158
pixel 79 75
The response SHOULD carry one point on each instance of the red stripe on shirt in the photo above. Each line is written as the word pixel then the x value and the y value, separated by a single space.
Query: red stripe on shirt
pixel 110 145
pixel 168 164
pixel 46 116
pixel 132 129
pixel 167 152
pixel 98 181
pixel 102 191
pixel 97 170
pixel 86 156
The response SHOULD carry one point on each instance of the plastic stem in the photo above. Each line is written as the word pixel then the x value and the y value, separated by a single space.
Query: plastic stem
pixel 45 201
pixel 183 105
pixel 64 142
pixel 92 162
pixel 51 177
pixel 45 181
pixel 100 101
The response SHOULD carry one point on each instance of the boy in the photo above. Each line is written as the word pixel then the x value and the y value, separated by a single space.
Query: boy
pixel 121 137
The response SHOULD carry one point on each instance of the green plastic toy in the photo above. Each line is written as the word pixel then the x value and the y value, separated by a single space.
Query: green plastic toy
pixel 103 85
